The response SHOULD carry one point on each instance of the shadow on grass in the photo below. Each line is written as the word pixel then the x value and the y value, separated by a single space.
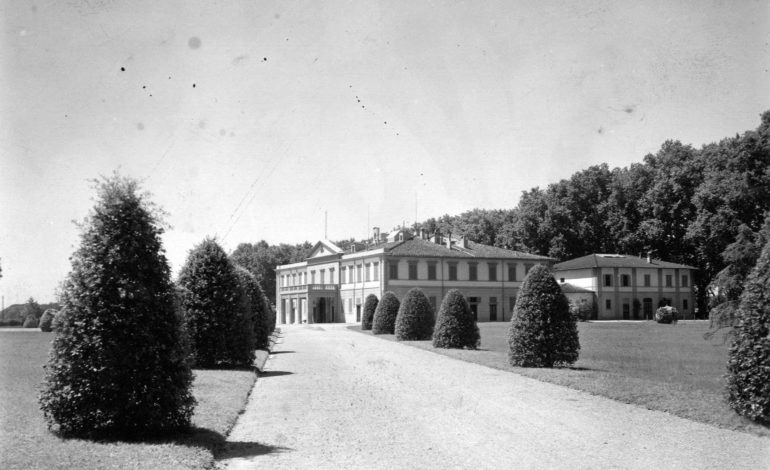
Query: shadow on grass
pixel 202 438
pixel 274 373
pixel 283 352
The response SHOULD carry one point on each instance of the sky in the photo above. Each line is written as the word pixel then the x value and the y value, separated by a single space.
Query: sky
pixel 251 120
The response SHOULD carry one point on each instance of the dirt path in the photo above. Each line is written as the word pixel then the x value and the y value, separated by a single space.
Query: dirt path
pixel 334 398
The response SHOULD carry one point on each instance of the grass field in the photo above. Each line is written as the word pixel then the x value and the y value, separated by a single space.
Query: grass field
pixel 26 443
pixel 661 367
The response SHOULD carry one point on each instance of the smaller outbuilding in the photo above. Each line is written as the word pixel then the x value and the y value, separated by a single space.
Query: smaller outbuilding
pixel 626 287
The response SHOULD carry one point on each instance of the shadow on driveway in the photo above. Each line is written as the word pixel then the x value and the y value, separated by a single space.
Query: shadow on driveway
pixel 232 450
pixel 274 373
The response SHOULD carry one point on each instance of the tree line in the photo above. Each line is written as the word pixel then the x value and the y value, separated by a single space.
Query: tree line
pixel 705 207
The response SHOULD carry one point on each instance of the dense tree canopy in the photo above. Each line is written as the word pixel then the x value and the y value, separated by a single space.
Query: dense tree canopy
pixel 682 204
pixel 261 259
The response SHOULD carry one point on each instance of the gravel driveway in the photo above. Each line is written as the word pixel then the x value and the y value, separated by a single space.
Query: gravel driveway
pixel 334 398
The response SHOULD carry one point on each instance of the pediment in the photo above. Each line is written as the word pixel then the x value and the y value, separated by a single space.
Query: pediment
pixel 324 248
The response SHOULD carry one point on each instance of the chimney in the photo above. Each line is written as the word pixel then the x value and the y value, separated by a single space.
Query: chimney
pixel 464 242
pixel 422 234
pixel 649 257
pixel 449 242
pixel 376 235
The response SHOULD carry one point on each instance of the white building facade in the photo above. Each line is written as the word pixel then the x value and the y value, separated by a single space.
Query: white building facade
pixel 331 285
pixel 629 287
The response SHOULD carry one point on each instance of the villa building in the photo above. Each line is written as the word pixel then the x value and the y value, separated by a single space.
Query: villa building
pixel 627 287
pixel 331 285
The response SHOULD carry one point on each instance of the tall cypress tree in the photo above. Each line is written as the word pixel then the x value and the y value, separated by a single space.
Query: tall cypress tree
pixel 748 366
pixel 117 363
pixel 542 333
pixel 212 303
pixel 384 322
pixel 455 325
pixel 370 305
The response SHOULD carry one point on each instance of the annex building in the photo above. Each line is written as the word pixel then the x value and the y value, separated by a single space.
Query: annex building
pixel 627 287
pixel 332 284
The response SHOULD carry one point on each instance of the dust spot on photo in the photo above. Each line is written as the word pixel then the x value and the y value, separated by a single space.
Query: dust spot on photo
pixel 140 126
pixel 194 42
pixel 222 132
pixel 202 124
pixel 629 109
pixel 600 130
pixel 239 59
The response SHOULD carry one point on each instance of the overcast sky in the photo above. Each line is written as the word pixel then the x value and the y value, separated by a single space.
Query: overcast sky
pixel 248 119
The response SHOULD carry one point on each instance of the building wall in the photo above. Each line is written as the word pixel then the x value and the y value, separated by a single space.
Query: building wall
pixel 636 300
pixel 296 302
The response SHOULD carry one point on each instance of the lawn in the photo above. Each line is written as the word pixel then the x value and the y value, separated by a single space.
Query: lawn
pixel 661 367
pixel 25 442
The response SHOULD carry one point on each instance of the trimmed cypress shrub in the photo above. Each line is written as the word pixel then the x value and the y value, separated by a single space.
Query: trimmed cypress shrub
pixel 46 320
pixel 542 333
pixel 212 304
pixel 455 326
pixel 117 366
pixel 384 322
pixel 30 322
pixel 414 321
pixel 256 308
pixel 370 305
pixel 748 365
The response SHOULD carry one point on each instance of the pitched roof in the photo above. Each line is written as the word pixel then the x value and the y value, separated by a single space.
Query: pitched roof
pixel 615 261
pixel 427 248
pixel 568 288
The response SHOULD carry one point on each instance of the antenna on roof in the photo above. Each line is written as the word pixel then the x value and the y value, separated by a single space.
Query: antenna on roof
pixel 326 223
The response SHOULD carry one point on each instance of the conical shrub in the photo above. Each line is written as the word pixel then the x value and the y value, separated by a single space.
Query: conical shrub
pixel 46 321
pixel 384 322
pixel 117 365
pixel 455 325
pixel 212 303
pixel 414 321
pixel 370 305
pixel 542 332
pixel 748 366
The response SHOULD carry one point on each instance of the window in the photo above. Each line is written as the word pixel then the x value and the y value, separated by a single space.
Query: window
pixel 359 272
pixel 669 280
pixel 413 270
pixel 433 303
pixel 368 272
pixel 684 304
pixel 561 279
pixel 608 304
pixel 646 280
pixel 294 279
pixel 393 270
pixel 685 281
pixel 323 276
pixel 492 271
pixel 625 280
pixel 512 272
pixel 343 271
pixel 331 275
pixel 493 309
pixel 608 281
pixel 432 271
pixel 351 274
pixel 452 271
pixel 473 272
pixel 376 271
